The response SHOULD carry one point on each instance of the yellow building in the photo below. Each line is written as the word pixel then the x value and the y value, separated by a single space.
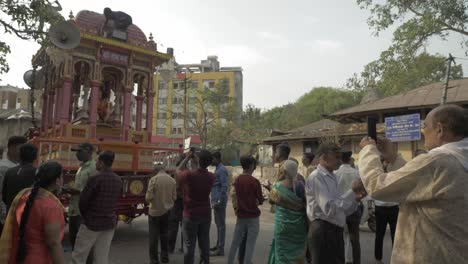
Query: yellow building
pixel 168 110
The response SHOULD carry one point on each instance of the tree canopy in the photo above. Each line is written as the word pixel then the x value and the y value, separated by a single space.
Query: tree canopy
pixel 417 21
pixel 26 20
pixel 395 76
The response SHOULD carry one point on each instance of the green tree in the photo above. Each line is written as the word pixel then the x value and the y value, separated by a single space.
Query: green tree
pixel 218 114
pixel 395 75
pixel 310 107
pixel 27 20
pixel 417 21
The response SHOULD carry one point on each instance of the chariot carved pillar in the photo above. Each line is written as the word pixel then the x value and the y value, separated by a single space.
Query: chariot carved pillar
pixel 65 101
pixel 50 109
pixel 45 114
pixel 139 110
pixel 127 112
pixel 149 114
pixel 58 100
pixel 94 99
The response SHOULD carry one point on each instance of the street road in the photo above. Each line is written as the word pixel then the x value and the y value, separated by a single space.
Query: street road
pixel 130 245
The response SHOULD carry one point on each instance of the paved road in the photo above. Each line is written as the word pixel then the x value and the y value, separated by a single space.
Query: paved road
pixel 130 245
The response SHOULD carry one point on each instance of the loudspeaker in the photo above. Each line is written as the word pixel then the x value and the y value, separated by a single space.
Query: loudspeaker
pixel 38 78
pixel 28 78
pixel 65 35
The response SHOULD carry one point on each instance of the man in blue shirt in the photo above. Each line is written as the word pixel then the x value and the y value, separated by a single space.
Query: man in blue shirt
pixel 218 203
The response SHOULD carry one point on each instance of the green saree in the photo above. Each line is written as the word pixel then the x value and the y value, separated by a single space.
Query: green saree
pixel 290 232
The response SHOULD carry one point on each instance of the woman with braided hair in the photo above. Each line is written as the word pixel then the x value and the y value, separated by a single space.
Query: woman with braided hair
pixel 34 226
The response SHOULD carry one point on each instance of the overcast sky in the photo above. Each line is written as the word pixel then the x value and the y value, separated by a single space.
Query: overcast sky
pixel 285 47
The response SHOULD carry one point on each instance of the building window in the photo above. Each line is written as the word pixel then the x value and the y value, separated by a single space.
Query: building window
pixel 162 85
pixel 178 100
pixel 4 103
pixel 224 86
pixel 194 84
pixel 161 131
pixel 162 115
pixel 192 100
pixel 162 101
pixel 177 116
pixel 177 131
pixel 18 102
pixel 178 85
pixel 208 84
pixel 192 115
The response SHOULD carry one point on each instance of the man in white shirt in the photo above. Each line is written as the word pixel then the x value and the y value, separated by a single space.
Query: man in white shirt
pixel 386 213
pixel 327 208
pixel 10 161
pixel 346 175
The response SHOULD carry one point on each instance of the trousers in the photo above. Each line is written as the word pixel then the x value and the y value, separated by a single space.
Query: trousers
pixel 158 232
pixel 248 228
pixel 74 223
pixel 384 215
pixel 196 228
pixel 351 237
pixel 326 244
pixel 220 221
pixel 86 240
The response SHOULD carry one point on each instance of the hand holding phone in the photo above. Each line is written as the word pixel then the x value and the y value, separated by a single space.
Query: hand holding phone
pixel 372 127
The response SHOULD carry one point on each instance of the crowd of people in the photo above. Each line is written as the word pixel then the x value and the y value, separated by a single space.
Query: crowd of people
pixel 316 215
pixel 33 218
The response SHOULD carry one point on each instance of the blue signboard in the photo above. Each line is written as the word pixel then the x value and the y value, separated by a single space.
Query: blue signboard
pixel 403 128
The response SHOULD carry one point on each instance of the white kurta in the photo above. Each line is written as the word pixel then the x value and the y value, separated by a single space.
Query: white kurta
pixel 432 190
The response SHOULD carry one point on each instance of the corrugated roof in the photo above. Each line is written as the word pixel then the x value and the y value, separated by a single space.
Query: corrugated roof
pixel 324 128
pixel 425 96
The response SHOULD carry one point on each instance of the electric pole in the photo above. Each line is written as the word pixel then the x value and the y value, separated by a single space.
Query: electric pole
pixel 450 59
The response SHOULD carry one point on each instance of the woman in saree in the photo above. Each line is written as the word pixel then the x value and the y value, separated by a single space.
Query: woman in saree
pixel 34 226
pixel 288 197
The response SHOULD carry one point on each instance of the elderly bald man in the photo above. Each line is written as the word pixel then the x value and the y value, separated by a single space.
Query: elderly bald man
pixel 432 190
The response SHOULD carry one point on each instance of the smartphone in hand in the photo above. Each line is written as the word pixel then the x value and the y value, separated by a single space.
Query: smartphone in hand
pixel 372 127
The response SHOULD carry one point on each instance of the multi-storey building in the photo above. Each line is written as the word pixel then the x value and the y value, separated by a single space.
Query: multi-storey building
pixel 12 97
pixel 15 112
pixel 169 103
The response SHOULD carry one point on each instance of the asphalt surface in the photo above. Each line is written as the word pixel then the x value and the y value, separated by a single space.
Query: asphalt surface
pixel 130 244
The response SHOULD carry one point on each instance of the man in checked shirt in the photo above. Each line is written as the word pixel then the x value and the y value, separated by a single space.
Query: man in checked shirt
pixel 97 206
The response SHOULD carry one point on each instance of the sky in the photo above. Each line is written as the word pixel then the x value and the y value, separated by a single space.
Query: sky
pixel 285 48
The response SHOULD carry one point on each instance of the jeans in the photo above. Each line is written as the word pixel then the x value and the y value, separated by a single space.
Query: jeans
pixel 220 221
pixel 326 243
pixel 175 219
pixel 351 237
pixel 86 239
pixel 196 227
pixel 158 232
pixel 248 228
pixel 384 215
pixel 73 228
